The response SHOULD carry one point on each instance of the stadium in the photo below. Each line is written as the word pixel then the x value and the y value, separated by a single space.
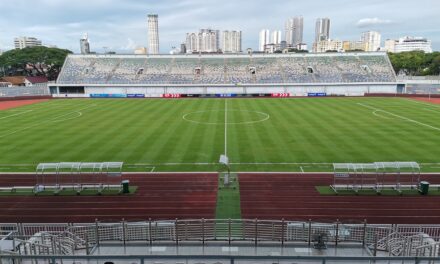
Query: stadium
pixel 186 75
pixel 283 158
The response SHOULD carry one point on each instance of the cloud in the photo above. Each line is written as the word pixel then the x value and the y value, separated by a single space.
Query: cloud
pixel 374 21
pixel 111 23
pixel 130 46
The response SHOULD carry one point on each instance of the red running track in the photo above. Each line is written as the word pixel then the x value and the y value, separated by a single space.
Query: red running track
pixel 4 105
pixel 159 196
pixel 294 197
pixel 428 100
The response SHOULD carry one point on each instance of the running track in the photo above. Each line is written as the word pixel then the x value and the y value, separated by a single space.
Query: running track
pixel 193 196
pixel 159 196
pixel 5 105
pixel 293 197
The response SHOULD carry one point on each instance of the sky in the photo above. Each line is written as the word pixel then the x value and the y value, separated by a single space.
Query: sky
pixel 121 25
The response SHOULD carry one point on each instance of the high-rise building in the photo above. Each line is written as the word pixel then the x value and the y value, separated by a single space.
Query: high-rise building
pixel 408 44
pixel 322 29
pixel 192 42
pixel 283 44
pixel 294 31
pixel 183 48
pixel 372 40
pixel 206 41
pixel 209 40
pixel 276 37
pixel 84 44
pixel 264 39
pixel 25 42
pixel 153 34
pixel 354 45
pixel 231 41
pixel 328 45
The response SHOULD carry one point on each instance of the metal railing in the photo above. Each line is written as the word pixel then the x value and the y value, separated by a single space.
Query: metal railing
pixel 37 90
pixel 403 240
pixel 221 259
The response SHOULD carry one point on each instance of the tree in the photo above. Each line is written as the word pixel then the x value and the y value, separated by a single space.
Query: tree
pixel 34 61
pixel 416 62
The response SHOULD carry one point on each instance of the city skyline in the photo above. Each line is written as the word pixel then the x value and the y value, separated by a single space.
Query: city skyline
pixel 120 26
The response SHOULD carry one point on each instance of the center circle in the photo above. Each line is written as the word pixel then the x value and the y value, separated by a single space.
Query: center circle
pixel 201 117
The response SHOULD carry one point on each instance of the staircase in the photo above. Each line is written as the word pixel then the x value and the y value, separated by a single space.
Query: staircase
pixel 45 243
pixel 403 244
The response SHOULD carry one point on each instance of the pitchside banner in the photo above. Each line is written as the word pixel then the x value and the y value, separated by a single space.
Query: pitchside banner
pixel 225 95
pixel 171 95
pixel 280 95
pixel 135 95
pixel 108 95
pixel 316 94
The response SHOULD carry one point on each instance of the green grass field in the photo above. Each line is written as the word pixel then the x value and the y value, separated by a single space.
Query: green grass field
pixel 306 134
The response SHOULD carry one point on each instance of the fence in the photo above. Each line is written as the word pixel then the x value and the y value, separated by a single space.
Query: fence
pixel 218 259
pixel 406 240
pixel 20 91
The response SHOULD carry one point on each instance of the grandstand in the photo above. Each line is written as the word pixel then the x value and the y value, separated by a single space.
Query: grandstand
pixel 350 74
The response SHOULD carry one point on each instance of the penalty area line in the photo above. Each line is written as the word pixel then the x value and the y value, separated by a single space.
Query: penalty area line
pixel 398 116
pixel 55 119
pixel 20 113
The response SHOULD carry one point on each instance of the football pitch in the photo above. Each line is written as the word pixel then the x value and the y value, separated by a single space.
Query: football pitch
pixel 295 134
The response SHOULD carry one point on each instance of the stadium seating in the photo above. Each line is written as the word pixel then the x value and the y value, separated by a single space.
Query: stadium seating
pixel 218 69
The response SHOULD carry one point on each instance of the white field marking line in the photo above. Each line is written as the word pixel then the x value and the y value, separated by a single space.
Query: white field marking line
pixel 47 121
pixel 226 127
pixel 232 163
pixel 216 173
pixel 15 110
pixel 282 163
pixel 151 165
pixel 173 163
pixel 17 165
pixel 423 103
pixel 20 113
pixel 399 116
pixel 61 120
pixel 266 117
pixel 152 168
pixel 301 169
pixel 381 116
pixel 431 110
